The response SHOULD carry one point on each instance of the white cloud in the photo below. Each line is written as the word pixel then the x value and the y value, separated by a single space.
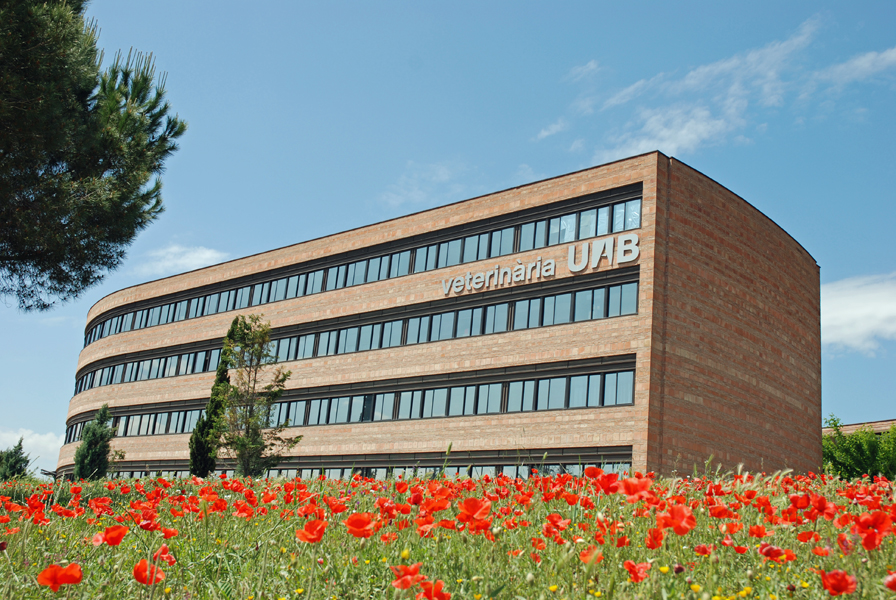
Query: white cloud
pixel 858 312
pixel 577 146
pixel 673 131
pixel 858 68
pixel 43 448
pixel 631 92
pixel 555 127
pixel 426 185
pixel 175 258
pixel 579 73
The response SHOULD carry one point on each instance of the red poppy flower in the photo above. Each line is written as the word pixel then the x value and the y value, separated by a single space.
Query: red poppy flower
pixel 637 572
pixel 433 591
pixel 758 531
pixel 590 555
pixel 890 581
pixel 654 538
pixel 680 519
pixel 703 549
pixel 636 488
pixel 838 582
pixel 407 577
pixel 593 472
pixel 169 533
pixel 313 531
pixel 474 509
pixel 771 552
pixel 808 536
pixel 819 551
pixel 147 574
pixel 163 554
pixel 55 576
pixel 112 535
pixel 361 525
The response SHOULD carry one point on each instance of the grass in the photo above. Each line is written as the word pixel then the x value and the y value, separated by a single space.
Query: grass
pixel 545 537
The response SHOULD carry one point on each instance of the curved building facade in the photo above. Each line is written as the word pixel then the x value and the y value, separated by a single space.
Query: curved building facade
pixel 635 315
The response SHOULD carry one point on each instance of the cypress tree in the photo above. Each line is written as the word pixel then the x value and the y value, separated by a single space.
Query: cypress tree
pixel 13 462
pixel 92 456
pixel 204 441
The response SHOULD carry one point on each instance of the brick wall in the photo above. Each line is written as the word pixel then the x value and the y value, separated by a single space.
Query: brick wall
pixel 737 371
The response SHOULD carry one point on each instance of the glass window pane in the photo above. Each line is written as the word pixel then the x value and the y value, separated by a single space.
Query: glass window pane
pixel 562 308
pixel 283 350
pixel 541 234
pixel 594 390
pixel 431 254
pixel 420 260
pixel 599 307
pixel 583 305
pixel 357 407
pixel 495 244
pixel 292 285
pixel 400 264
pixel 615 303
pixel 568 228
pixel 476 322
pixel 427 403
pixel 587 224
pixel 315 282
pixel 471 248
pixel 629 301
pixel 534 311
pixel 609 389
pixel 554 231
pixel 548 317
pixel 507 241
pixel 625 387
pixel 558 393
pixel 456 404
pixel 483 246
pixel 520 314
pixel 515 397
pixel 618 217
pixel 446 328
pixel 392 334
pixel 470 400
pixel 413 330
pixel 242 297
pixel 360 273
pixel 364 337
pixel 527 237
pixel 603 220
pixel 529 395
pixel 278 293
pixel 314 413
pixel 464 322
pixel 633 214
pixel 373 269
pixel 384 268
pixel 500 317
pixel 453 253
pixel 440 402
pixel 578 391
pixel 416 401
pixel 404 405
pixel 543 391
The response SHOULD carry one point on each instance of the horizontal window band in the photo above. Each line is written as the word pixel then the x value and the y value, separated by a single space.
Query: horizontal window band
pixel 512 293
pixel 532 457
pixel 492 224
pixel 478 377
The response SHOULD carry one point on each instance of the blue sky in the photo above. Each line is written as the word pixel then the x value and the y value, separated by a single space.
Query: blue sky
pixel 312 118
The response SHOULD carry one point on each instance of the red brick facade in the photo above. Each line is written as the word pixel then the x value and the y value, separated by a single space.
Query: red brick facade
pixel 726 339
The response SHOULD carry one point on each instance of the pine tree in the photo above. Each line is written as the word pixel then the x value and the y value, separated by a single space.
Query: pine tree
pixel 13 462
pixel 78 150
pixel 206 435
pixel 92 456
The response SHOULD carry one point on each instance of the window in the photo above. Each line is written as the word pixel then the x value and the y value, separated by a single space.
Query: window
pixel 489 399
pixel 475 248
pixel 449 253
pixel 496 318
pixel 425 259
pixel 502 242
pixel 400 264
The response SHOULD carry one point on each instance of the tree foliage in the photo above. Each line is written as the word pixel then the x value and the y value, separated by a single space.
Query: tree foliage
pixel 13 462
pixel 93 456
pixel 859 453
pixel 78 148
pixel 206 436
pixel 248 432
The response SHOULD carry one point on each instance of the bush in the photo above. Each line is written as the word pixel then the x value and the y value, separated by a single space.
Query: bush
pixel 859 453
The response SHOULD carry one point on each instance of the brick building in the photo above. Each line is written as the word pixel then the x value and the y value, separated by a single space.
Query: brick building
pixel 633 315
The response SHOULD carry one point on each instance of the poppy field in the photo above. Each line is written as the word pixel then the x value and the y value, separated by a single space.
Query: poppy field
pixel 599 535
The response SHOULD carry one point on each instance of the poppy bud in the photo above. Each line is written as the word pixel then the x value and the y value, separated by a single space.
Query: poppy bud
pixel 530 578
pixel 678 569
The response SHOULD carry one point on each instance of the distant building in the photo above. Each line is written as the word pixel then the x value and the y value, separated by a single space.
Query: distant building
pixel 635 315
pixel 878 427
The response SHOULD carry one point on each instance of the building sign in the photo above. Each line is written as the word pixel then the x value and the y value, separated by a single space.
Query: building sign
pixel 579 258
